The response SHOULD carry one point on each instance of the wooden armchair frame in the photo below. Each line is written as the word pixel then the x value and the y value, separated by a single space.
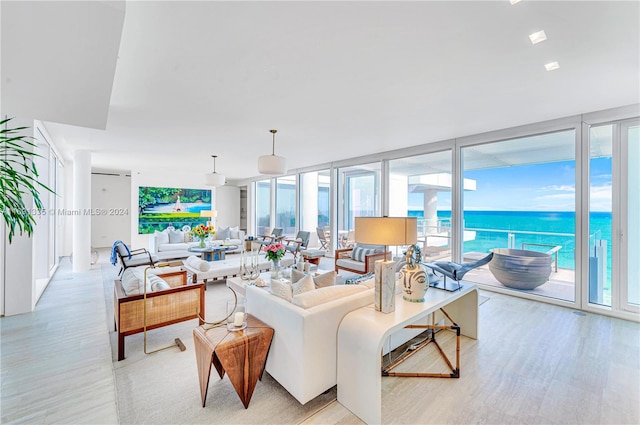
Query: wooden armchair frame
pixel 369 260
pixel 181 302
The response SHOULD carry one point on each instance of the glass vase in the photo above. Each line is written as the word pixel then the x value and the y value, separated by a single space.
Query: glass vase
pixel 202 244
pixel 275 269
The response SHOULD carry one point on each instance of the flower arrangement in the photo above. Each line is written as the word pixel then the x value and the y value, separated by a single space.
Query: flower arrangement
pixel 202 231
pixel 274 251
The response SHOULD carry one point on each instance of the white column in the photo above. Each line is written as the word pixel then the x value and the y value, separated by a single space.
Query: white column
pixel 431 211
pixel 81 211
pixel 309 213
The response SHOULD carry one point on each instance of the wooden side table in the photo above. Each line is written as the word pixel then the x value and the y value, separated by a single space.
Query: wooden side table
pixel 241 354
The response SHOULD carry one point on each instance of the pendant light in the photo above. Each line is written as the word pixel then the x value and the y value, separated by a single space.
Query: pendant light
pixel 272 164
pixel 214 179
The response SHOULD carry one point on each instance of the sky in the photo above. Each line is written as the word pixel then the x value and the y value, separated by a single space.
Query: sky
pixel 535 187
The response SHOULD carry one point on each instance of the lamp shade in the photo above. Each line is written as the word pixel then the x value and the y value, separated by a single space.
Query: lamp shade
pixel 272 165
pixel 208 213
pixel 214 179
pixel 386 230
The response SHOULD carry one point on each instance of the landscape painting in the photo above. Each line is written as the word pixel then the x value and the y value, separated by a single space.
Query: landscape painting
pixel 161 207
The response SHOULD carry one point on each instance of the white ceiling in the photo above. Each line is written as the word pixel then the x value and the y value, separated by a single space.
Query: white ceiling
pixel 344 79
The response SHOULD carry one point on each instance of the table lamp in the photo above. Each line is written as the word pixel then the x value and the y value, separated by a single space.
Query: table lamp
pixel 386 231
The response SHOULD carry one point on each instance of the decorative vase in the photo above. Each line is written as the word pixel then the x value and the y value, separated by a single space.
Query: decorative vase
pixel 415 283
pixel 202 244
pixel 275 269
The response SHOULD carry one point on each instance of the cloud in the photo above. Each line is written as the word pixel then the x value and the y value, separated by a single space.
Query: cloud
pixel 559 188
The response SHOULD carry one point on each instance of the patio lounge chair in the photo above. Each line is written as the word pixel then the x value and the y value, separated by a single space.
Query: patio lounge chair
pixel 323 238
pixel 300 242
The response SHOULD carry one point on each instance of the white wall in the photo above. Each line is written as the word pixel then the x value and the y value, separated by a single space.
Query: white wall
pixel 228 206
pixel 110 194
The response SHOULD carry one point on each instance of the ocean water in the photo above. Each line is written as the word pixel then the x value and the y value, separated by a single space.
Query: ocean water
pixel 542 227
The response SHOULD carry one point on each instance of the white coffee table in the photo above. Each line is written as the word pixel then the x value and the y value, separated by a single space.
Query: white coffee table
pixel 362 333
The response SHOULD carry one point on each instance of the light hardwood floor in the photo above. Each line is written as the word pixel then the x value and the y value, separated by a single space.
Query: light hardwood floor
pixel 533 364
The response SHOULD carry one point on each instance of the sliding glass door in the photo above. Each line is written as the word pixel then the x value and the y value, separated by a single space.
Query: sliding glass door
pixel 519 197
pixel 630 216
pixel 614 211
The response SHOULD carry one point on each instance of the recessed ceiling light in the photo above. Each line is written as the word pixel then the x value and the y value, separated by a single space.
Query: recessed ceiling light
pixel 552 65
pixel 514 2
pixel 537 37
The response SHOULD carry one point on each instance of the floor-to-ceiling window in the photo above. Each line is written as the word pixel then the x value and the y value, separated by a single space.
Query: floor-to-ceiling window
pixel 420 186
pixel 314 203
pixel 630 215
pixel 600 213
pixel 263 207
pixel 614 216
pixel 358 196
pixel 523 199
pixel 286 204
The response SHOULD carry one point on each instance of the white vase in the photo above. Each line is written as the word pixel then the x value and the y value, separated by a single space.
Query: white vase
pixel 415 283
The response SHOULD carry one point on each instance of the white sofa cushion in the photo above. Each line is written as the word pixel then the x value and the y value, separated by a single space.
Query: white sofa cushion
pixel 234 232
pixel 351 264
pixel 173 247
pixel 161 237
pixel 303 285
pixel 176 236
pixel 323 295
pixel 222 233
pixel 282 289
pixel 197 264
pixel 132 280
pixel 320 280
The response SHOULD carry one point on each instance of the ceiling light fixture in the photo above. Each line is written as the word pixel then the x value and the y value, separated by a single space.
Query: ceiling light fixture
pixel 214 179
pixel 272 164
pixel 514 2
pixel 537 37
pixel 551 66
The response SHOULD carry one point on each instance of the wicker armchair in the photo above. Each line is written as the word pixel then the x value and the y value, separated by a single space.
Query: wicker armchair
pixel 179 303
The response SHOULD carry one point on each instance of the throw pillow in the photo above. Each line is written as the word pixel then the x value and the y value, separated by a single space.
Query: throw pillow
pixel 198 264
pixel 282 289
pixel 176 236
pixel 234 232
pixel 359 254
pixel 325 279
pixel 157 283
pixel 222 233
pixel 161 237
pixel 305 284
pixel 296 275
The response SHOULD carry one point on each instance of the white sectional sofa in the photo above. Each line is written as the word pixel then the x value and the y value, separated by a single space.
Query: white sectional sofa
pixel 170 244
pixel 304 350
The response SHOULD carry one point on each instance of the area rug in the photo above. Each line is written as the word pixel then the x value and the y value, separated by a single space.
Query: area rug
pixel 162 387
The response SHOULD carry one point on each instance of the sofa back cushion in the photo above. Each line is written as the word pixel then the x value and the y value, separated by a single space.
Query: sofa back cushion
pixel 320 280
pixel 161 237
pixel 319 296
pixel 234 232
pixel 360 251
pixel 282 289
pixel 176 236
pixel 222 233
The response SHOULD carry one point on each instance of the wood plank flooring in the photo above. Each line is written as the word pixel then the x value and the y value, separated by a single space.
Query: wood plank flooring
pixel 533 364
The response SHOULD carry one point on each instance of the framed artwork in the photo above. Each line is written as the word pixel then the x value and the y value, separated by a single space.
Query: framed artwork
pixel 161 207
